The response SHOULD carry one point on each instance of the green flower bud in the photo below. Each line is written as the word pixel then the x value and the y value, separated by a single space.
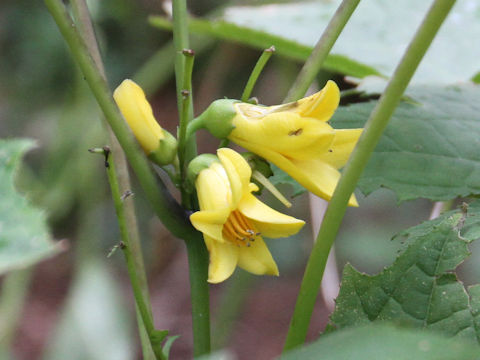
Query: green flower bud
pixel 166 151
pixel 198 164
pixel 218 117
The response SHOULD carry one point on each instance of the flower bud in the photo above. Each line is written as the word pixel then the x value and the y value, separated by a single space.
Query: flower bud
pixel 198 164
pixel 218 117
pixel 159 145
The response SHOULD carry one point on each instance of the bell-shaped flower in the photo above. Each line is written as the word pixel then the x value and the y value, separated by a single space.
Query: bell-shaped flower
pixel 233 220
pixel 295 136
pixel 159 145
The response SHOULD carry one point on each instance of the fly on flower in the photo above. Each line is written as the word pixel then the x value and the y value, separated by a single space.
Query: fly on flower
pixel 295 136
pixel 233 221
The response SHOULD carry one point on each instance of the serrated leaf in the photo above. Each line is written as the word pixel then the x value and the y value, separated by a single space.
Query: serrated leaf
pixel 24 236
pixel 384 342
pixel 377 33
pixel 281 177
pixel 430 148
pixel 419 289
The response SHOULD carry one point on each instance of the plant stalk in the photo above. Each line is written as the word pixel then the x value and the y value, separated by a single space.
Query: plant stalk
pixel 166 208
pixel 252 80
pixel 86 30
pixel 321 50
pixel 143 304
pixel 181 43
pixel 373 130
pixel 185 119
pixel 196 250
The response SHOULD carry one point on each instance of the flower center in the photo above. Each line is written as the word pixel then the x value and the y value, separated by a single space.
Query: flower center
pixel 239 230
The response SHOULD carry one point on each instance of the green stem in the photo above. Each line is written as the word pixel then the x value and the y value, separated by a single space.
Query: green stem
pixel 252 80
pixel 181 42
pixel 198 270
pixel 142 302
pixel 322 49
pixel 85 27
pixel 167 209
pixel 197 253
pixel 185 119
pixel 369 139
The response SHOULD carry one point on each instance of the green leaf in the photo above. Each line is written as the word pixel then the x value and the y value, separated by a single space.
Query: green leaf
pixel 384 342
pixel 429 148
pixel 24 236
pixel 377 34
pixel 281 177
pixel 262 40
pixel 420 288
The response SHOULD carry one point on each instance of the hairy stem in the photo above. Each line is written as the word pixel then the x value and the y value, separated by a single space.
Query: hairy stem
pixel 321 50
pixel 373 130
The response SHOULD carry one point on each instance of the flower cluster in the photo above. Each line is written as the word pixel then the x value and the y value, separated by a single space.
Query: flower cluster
pixel 295 136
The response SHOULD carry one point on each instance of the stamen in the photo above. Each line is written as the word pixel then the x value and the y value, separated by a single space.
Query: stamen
pixel 238 230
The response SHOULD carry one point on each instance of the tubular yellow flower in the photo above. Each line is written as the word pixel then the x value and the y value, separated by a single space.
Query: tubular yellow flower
pixel 156 142
pixel 233 221
pixel 297 138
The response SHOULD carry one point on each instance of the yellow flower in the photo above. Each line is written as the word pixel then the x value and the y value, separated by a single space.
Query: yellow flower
pixel 233 221
pixel 156 142
pixel 297 138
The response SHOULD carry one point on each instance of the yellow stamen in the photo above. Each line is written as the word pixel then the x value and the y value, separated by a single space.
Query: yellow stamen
pixel 239 230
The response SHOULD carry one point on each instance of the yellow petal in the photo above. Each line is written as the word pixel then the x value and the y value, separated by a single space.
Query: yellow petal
pixel 138 113
pixel 292 134
pixel 268 222
pixel 315 175
pixel 343 144
pixel 213 188
pixel 210 222
pixel 321 105
pixel 223 260
pixel 238 172
pixel 257 259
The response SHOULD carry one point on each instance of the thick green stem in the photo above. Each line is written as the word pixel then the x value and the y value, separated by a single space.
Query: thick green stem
pixel 198 269
pixel 142 302
pixel 167 209
pixel 322 49
pixel 197 253
pixel 369 139
pixel 85 27
pixel 252 80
